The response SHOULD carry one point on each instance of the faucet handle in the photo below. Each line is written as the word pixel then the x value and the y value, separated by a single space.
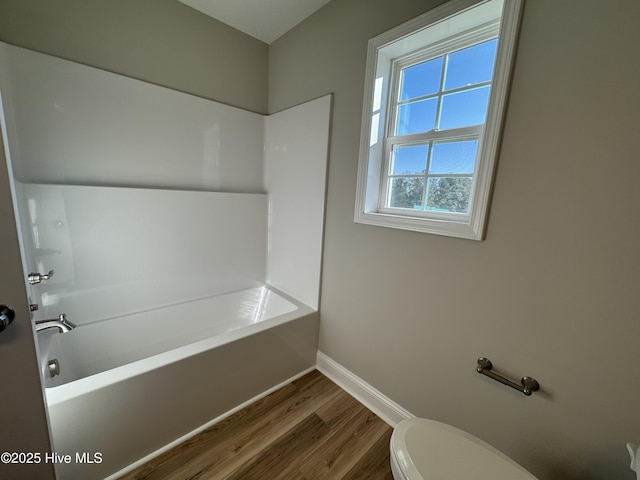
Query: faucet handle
pixel 34 277
pixel 63 319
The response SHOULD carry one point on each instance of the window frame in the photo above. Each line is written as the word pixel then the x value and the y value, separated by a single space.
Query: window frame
pixel 378 121
pixel 475 36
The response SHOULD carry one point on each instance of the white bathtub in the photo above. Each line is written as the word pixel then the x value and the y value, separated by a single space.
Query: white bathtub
pixel 131 387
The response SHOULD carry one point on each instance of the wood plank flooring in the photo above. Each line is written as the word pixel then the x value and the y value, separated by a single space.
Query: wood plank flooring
pixel 308 430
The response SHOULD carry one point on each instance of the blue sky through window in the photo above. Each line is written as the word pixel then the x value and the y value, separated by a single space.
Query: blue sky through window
pixel 463 109
pixel 417 117
pixel 453 157
pixel 422 79
pixel 464 68
pixel 410 159
pixel 471 65
pixel 446 158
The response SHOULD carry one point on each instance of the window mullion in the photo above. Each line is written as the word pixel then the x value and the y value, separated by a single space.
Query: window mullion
pixel 440 91
pixel 443 92
pixel 394 101
pixel 384 187
pixel 426 177
pixel 452 133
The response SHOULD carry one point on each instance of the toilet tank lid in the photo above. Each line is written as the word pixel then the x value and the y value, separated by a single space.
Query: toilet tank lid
pixel 427 449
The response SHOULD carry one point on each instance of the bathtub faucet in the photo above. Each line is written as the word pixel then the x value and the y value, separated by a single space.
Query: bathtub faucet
pixel 61 323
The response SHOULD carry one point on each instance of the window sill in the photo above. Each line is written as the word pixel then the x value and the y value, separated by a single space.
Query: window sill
pixel 464 228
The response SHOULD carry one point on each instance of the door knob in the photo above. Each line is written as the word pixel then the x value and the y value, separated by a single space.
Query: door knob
pixel 6 316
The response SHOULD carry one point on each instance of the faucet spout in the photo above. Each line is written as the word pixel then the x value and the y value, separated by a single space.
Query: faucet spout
pixel 61 323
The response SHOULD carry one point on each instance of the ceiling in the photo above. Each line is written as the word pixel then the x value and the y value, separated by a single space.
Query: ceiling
pixel 265 20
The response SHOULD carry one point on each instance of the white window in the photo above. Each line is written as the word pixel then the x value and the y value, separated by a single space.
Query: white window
pixel 434 100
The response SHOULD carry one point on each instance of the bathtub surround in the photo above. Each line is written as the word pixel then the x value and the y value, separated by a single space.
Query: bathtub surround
pixel 163 252
pixel 83 126
pixel 291 174
pixel 78 126
pixel 118 251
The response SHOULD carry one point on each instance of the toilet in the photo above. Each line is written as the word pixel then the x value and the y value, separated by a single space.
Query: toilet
pixel 422 449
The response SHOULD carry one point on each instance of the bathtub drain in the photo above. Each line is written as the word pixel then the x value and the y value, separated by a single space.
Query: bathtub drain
pixel 54 367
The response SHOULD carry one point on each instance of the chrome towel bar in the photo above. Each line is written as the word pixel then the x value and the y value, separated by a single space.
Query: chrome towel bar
pixel 527 385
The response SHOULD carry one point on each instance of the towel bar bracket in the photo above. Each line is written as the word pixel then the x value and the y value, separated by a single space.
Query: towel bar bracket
pixel 527 385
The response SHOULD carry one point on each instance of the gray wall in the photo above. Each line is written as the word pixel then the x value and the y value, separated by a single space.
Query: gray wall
pixel 552 291
pixel 159 41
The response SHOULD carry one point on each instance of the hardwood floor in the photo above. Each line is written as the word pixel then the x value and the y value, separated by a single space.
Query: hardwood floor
pixel 308 430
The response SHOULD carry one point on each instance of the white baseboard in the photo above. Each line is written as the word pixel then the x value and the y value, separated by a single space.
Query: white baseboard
pixel 381 405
